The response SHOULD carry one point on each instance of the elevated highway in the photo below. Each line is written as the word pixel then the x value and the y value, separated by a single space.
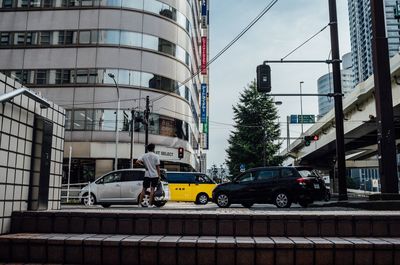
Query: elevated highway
pixel 360 128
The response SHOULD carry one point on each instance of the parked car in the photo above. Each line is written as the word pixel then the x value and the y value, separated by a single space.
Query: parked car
pixel 122 187
pixel 190 187
pixel 281 186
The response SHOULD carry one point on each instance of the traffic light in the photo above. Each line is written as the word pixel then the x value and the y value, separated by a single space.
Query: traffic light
pixel 309 138
pixel 181 152
pixel 264 78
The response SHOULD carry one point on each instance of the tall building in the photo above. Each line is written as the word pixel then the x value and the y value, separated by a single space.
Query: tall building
pixel 88 55
pixel 325 85
pixel 361 35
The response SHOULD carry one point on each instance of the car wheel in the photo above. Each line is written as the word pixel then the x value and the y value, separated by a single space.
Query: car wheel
pixel 89 200
pixel 105 205
pixel 247 204
pixel 159 204
pixel 146 200
pixel 202 199
pixel 282 200
pixel 223 200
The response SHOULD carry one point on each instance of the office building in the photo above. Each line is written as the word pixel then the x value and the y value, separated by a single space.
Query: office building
pixel 361 35
pixel 88 55
pixel 325 85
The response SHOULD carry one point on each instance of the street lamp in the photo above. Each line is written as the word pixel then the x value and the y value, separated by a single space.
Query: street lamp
pixel 111 75
pixel 301 107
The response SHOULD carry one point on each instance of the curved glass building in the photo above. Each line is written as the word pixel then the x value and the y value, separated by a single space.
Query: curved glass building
pixel 69 50
pixel 325 85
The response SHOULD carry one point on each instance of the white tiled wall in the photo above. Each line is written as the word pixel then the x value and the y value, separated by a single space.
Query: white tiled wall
pixel 16 134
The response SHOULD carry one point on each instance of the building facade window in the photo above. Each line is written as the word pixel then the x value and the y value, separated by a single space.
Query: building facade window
pixel 57 77
pixel 95 37
pixel 151 6
pixel 105 120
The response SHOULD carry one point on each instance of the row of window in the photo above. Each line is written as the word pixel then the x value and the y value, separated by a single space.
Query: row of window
pixel 55 77
pixel 151 6
pixel 94 37
pixel 105 120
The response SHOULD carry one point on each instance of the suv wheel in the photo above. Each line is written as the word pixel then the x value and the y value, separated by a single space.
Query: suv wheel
pixel 282 200
pixel 202 198
pixel 89 200
pixel 223 200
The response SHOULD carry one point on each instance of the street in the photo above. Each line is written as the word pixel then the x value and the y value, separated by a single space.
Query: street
pixel 234 208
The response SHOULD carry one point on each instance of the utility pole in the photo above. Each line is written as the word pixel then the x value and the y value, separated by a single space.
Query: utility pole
pixel 132 135
pixel 337 88
pixel 288 132
pixel 383 102
pixel 146 124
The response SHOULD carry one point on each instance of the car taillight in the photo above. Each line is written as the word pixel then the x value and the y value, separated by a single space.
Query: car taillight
pixel 302 181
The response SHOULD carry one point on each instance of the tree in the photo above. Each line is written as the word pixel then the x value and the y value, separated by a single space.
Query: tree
pixel 213 172
pixel 253 141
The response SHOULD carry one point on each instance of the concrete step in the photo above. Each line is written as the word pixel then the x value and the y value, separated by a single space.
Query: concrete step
pixel 208 224
pixel 196 250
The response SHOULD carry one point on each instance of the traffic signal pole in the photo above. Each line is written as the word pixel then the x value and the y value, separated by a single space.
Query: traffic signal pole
pixel 337 88
pixel 383 103
pixel 337 95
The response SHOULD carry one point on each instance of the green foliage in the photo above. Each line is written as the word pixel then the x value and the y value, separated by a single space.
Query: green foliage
pixel 256 131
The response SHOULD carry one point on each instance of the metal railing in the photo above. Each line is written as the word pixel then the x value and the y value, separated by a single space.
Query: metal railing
pixel 70 192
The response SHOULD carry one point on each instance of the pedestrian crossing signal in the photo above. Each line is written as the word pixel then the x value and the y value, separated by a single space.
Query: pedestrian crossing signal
pixel 264 78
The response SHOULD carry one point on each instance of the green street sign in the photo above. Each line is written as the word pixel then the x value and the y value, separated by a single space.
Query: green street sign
pixel 306 119
pixel 205 127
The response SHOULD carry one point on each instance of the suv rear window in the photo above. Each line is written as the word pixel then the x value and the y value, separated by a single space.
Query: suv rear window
pixel 307 173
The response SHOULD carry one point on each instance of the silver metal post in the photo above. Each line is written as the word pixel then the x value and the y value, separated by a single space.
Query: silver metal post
pixel 301 107
pixel 69 171
pixel 116 122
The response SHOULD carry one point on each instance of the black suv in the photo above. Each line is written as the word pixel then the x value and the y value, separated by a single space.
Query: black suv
pixel 278 185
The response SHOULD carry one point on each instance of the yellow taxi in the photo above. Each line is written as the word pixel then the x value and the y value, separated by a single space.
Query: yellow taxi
pixel 190 187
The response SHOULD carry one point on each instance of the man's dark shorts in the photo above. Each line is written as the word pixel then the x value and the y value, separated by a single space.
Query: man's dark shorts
pixel 150 182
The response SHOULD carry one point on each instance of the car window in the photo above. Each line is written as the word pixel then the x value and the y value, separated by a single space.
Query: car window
pixel 307 173
pixel 113 177
pixel 287 173
pixel 180 178
pixel 267 174
pixel 200 179
pixel 208 179
pixel 246 177
pixel 132 175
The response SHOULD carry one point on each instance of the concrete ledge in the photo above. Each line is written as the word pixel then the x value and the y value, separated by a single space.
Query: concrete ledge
pixel 145 249
pixel 159 223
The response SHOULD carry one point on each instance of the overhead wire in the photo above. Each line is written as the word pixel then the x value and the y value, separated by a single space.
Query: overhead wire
pixel 301 45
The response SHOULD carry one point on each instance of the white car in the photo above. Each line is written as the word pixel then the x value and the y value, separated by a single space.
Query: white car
pixel 121 187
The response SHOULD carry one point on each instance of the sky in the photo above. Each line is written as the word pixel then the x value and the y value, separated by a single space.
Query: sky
pixel 288 24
